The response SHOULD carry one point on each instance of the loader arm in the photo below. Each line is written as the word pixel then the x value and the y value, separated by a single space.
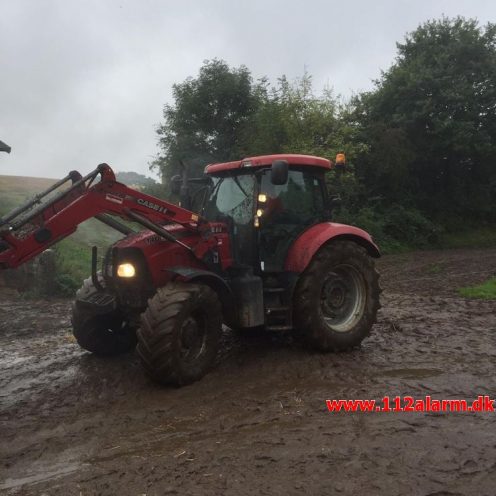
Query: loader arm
pixel 32 228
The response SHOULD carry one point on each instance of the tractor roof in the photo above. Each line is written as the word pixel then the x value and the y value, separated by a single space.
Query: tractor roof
pixel 266 161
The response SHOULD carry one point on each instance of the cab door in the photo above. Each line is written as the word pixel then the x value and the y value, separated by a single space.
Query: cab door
pixel 286 211
pixel 232 200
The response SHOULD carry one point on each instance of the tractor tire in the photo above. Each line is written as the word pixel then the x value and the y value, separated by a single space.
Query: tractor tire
pixel 337 297
pixel 101 334
pixel 179 336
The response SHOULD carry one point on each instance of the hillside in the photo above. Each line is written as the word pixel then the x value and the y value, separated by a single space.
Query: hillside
pixel 14 190
pixel 74 251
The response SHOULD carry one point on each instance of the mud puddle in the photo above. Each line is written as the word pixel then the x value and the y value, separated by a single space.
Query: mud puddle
pixel 72 423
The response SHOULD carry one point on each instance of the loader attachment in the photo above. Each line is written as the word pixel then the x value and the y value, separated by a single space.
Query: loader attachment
pixel 25 231
pixel 13 219
pixel 43 221
pixel 73 176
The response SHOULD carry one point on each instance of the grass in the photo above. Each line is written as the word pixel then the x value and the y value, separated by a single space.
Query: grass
pixel 484 291
pixel 477 237
pixel 74 263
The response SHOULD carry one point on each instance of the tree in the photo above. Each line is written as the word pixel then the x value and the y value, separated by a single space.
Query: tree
pixel 204 123
pixel 290 118
pixel 430 125
pixel 132 178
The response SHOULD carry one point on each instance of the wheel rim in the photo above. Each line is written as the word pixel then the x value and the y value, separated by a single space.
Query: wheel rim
pixel 343 298
pixel 193 337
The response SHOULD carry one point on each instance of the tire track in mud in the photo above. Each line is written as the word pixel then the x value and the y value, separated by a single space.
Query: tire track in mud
pixel 72 423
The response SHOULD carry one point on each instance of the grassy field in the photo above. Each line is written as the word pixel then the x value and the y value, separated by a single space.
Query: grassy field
pixel 15 189
pixel 74 252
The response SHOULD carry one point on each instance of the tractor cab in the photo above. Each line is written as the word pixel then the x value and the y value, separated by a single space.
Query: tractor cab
pixel 267 202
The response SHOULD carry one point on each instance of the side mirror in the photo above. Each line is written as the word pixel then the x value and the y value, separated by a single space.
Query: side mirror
pixel 279 172
pixel 175 184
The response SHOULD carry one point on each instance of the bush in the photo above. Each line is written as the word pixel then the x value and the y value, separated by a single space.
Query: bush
pixel 410 226
pixel 394 229
pixel 66 284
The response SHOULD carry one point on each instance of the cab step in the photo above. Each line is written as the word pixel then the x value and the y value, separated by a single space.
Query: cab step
pixel 272 310
pixel 278 327
pixel 273 290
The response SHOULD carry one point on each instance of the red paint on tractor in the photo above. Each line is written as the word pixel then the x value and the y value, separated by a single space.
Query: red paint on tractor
pixel 305 247
pixel 161 254
pixel 266 161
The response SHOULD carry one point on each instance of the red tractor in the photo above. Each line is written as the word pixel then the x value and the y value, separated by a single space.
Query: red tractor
pixel 259 251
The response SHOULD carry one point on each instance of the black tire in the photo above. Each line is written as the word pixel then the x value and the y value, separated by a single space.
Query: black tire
pixel 180 332
pixel 337 297
pixel 102 334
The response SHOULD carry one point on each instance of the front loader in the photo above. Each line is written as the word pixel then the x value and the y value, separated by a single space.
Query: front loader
pixel 259 252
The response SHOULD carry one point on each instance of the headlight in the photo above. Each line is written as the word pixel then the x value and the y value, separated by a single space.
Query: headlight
pixel 126 270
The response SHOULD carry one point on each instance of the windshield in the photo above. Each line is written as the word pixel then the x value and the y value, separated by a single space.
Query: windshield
pixel 232 201
pixel 231 197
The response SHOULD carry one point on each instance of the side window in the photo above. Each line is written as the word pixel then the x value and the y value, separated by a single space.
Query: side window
pixel 299 201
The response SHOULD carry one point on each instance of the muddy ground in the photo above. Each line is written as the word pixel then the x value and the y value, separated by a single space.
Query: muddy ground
pixel 74 424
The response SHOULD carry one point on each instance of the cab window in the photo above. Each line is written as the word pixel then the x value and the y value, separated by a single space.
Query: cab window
pixel 299 202
pixel 231 197
pixel 287 211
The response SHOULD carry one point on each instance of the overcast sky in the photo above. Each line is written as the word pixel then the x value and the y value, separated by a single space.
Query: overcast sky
pixel 84 82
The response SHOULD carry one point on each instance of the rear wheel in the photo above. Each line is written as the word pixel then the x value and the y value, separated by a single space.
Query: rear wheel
pixel 102 334
pixel 337 297
pixel 179 335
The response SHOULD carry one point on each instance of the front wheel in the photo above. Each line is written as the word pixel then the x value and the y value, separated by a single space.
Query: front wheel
pixel 180 331
pixel 337 297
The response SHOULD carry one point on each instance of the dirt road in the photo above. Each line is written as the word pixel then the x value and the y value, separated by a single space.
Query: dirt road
pixel 73 424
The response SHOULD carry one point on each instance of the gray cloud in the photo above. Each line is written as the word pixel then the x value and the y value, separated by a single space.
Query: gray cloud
pixel 82 82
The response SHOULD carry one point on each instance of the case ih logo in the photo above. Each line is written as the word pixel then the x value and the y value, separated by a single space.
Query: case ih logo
pixel 151 206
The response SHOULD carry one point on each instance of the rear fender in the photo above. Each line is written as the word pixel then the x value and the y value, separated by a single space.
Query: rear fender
pixel 310 241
